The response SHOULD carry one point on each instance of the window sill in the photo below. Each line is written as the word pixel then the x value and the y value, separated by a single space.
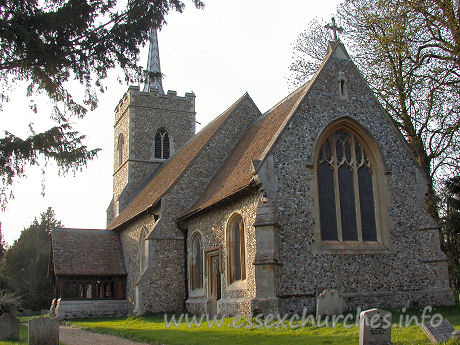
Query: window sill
pixel 196 293
pixel 238 285
pixel 350 247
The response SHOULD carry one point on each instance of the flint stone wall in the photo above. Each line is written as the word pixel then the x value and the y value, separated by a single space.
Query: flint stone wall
pixel 415 267
pixel 162 286
pixel 138 116
pixel 236 298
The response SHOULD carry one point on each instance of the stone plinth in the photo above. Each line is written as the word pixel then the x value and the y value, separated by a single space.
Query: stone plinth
pixel 66 309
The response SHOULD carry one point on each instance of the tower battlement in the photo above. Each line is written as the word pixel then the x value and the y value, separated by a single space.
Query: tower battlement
pixel 134 97
pixel 150 126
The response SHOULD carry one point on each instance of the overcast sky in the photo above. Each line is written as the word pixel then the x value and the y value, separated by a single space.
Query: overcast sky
pixel 220 52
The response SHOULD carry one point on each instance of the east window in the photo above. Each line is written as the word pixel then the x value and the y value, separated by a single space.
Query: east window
pixel 350 193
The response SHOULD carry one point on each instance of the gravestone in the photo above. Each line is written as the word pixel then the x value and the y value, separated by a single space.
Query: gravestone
pixel 440 333
pixel 43 331
pixel 375 327
pixel 9 327
pixel 329 303
pixel 456 335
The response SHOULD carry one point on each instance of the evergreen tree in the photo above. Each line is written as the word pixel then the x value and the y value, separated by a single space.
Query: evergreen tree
pixel 48 43
pixel 25 265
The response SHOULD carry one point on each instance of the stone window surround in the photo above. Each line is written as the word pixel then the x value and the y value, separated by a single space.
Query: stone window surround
pixel 342 83
pixel 381 195
pixel 171 145
pixel 120 143
pixel 198 291
pixel 241 283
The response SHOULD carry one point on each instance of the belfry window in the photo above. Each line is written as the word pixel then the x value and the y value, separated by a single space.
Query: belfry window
pixel 162 145
pixel 346 192
pixel 196 263
pixel 235 250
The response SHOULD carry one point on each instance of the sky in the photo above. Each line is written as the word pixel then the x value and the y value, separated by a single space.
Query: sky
pixel 220 52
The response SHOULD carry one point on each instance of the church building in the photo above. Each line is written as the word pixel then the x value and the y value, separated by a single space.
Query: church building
pixel 257 212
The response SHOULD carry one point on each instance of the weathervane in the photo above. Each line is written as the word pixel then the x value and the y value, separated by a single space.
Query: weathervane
pixel 334 29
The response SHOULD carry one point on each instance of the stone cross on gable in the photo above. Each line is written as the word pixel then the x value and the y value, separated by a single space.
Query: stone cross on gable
pixel 334 29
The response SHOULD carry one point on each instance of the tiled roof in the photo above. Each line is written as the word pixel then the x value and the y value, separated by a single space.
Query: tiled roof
pixel 171 171
pixel 235 173
pixel 86 252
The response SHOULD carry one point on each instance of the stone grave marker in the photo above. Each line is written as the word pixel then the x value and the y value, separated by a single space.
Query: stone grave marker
pixel 329 303
pixel 375 327
pixel 9 327
pixel 456 335
pixel 43 331
pixel 440 333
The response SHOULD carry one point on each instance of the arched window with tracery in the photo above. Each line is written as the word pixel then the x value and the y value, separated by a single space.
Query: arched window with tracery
pixel 162 145
pixel 347 172
pixel 235 249
pixel 196 263
pixel 120 143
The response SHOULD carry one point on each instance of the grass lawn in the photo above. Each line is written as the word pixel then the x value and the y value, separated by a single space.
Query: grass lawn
pixel 152 329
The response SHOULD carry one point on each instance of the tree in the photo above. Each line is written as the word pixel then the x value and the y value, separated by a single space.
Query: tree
pixel 25 265
pixel 421 95
pixel 442 18
pixel 2 243
pixel 450 230
pixel 47 43
pixel 3 249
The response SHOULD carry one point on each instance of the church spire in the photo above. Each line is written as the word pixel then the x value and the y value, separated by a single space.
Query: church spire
pixel 153 65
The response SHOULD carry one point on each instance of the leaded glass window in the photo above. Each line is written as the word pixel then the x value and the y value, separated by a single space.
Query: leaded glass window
pixel 196 270
pixel 162 145
pixel 345 189
pixel 236 250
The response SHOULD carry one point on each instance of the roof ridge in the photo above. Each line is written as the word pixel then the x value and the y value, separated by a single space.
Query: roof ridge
pixel 307 86
pixel 224 117
pixel 83 229
pixel 255 144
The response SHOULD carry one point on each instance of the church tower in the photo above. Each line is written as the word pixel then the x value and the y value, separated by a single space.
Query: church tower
pixel 150 126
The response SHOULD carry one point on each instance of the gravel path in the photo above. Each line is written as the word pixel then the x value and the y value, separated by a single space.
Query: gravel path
pixel 75 336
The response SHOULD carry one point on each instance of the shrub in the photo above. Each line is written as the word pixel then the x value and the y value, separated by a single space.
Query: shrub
pixel 9 302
